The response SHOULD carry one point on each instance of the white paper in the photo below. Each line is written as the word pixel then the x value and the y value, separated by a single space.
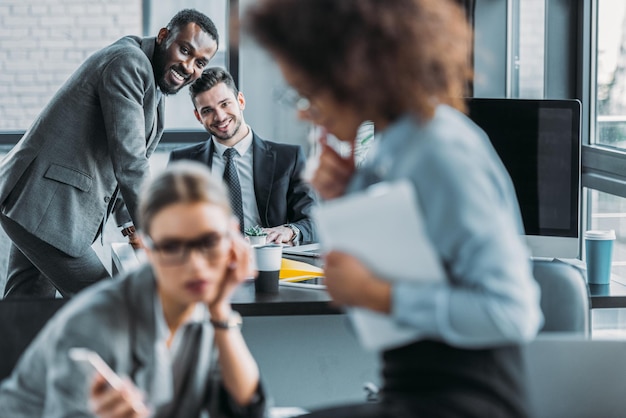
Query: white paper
pixel 383 227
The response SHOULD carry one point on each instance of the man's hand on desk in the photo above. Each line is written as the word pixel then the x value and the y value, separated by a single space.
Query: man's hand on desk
pixel 350 283
pixel 281 234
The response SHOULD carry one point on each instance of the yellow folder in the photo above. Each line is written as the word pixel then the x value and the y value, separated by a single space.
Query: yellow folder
pixel 296 271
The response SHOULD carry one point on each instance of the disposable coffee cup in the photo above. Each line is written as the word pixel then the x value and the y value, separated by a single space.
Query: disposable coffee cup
pixel 268 261
pixel 598 254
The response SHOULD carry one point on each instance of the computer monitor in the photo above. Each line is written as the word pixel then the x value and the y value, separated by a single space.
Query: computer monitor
pixel 539 143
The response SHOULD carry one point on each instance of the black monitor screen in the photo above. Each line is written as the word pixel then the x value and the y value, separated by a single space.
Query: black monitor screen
pixel 539 143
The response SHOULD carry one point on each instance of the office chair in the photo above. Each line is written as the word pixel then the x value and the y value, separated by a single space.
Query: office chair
pixel 20 321
pixel 564 297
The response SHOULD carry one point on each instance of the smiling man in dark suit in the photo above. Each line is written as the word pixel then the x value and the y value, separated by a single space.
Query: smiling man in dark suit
pixel 88 148
pixel 272 190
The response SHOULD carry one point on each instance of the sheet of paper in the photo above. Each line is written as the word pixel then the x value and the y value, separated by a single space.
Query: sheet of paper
pixel 383 227
pixel 311 250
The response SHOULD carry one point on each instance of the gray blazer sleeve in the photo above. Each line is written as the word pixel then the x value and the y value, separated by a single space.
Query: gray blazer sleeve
pixel 301 200
pixel 124 83
pixel 221 404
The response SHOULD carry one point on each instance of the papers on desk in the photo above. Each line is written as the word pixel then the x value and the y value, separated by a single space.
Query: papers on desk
pixel 286 412
pixel 306 250
pixel 383 227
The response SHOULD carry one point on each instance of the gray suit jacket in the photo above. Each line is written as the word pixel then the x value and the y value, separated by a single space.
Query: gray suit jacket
pixel 92 140
pixel 115 318
pixel 281 194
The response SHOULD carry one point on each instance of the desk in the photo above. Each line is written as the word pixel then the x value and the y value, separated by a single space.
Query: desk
pixel 293 301
pixel 288 301
pixel 612 295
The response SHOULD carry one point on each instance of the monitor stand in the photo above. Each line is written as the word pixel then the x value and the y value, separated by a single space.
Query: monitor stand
pixel 553 247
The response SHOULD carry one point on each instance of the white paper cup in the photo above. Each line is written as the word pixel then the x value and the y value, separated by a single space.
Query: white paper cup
pixel 268 262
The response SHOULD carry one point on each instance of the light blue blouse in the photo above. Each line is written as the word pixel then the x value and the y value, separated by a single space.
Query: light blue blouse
pixel 472 217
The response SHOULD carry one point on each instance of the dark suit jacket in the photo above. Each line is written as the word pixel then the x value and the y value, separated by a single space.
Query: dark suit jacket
pixel 92 140
pixel 116 319
pixel 281 194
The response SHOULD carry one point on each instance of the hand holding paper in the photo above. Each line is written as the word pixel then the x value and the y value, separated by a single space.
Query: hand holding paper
pixel 364 225
pixel 345 273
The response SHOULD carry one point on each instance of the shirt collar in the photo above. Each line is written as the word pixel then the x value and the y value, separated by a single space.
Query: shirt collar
pixel 199 314
pixel 241 147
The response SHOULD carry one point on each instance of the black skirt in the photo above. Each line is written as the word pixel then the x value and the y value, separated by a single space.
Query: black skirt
pixel 432 379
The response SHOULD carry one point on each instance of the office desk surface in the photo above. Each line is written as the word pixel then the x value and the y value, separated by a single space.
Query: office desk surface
pixel 288 301
pixel 612 295
pixel 294 301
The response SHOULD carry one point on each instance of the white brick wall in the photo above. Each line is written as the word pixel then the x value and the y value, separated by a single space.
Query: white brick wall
pixel 43 41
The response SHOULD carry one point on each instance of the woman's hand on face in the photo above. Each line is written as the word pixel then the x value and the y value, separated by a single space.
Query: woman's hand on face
pixel 349 282
pixel 106 402
pixel 333 172
pixel 239 269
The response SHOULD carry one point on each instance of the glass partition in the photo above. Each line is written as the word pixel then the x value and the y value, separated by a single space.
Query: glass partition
pixel 42 43
pixel 611 74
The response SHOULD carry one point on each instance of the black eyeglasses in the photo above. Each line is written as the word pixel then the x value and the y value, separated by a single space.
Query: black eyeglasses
pixel 176 252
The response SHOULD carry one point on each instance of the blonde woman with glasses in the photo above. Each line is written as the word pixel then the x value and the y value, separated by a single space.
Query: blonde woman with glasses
pixel 167 327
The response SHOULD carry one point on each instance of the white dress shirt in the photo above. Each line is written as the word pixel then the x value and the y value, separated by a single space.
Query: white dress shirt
pixel 246 176
pixel 162 391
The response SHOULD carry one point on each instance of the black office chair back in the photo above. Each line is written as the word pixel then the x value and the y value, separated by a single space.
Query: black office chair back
pixel 20 321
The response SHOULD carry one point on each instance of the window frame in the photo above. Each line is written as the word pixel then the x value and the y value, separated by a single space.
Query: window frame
pixel 170 136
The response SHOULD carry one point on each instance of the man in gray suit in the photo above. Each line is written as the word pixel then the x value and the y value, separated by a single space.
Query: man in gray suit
pixel 88 151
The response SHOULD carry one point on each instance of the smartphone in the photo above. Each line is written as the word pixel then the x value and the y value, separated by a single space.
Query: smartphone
pixel 93 360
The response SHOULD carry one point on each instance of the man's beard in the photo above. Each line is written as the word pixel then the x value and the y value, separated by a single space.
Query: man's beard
pixel 160 71
pixel 225 136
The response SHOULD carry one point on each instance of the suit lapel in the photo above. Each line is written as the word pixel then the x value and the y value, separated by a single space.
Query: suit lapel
pixel 207 153
pixel 141 295
pixel 193 389
pixel 263 167
pixel 147 45
pixel 157 128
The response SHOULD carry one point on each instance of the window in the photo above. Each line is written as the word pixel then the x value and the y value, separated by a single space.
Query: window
pixel 527 45
pixel 610 126
pixel 609 212
pixel 42 43
pixel 604 159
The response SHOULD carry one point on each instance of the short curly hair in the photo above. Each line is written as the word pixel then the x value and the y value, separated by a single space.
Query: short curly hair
pixel 187 16
pixel 385 58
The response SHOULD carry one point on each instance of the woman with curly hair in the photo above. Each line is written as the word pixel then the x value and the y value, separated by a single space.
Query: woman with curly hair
pixel 404 65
